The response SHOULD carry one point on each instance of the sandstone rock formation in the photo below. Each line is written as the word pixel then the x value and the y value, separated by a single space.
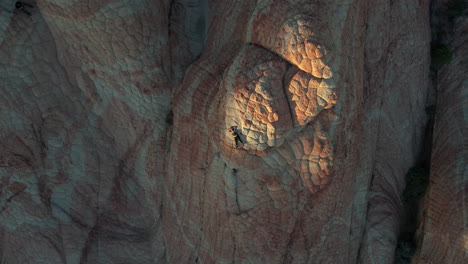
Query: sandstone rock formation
pixel 114 130
pixel 444 232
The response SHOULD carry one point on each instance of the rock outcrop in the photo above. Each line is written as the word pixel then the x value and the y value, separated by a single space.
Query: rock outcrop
pixel 83 130
pixel 115 141
pixel 444 231
pixel 331 109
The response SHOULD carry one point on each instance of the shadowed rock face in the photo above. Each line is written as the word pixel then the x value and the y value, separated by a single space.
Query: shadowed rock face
pixel 115 117
pixel 444 231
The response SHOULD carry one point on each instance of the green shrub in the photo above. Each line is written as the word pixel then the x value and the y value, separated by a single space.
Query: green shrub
pixel 416 184
pixel 405 251
pixel 441 55
pixel 455 8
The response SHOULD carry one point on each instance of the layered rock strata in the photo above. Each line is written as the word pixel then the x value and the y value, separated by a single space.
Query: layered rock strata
pixel 115 120
pixel 443 233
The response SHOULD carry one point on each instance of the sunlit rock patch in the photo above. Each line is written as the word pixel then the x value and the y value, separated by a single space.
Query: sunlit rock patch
pixel 273 104
pixel 255 100
pixel 308 96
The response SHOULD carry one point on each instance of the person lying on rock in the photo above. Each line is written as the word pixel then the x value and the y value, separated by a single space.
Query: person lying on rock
pixel 237 139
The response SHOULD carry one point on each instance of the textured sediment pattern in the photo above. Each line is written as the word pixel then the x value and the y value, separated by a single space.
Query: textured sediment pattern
pixel 444 231
pixel 328 101
pixel 114 129
pixel 82 124
pixel 260 104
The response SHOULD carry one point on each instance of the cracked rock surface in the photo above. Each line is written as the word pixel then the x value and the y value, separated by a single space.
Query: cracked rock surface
pixel 114 129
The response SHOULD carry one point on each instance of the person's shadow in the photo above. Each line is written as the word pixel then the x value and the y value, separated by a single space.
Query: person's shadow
pixel 21 6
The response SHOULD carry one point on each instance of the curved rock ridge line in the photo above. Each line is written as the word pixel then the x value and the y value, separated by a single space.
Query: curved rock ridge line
pixel 308 96
pixel 298 40
pixel 268 107
pixel 84 9
pixel 118 51
pixel 255 100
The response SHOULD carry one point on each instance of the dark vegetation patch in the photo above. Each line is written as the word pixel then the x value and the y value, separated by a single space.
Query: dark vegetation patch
pixel 430 110
pixel 170 118
pixel 405 251
pixel 417 180
pixel 443 31
pixel 440 54
pixel 455 8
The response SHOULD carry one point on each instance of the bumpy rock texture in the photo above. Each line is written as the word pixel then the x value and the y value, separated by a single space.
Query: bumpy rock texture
pixel 115 145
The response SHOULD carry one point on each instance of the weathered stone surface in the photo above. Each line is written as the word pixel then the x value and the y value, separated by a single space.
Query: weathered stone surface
pixel 114 129
pixel 82 131
pixel 444 231
pixel 362 136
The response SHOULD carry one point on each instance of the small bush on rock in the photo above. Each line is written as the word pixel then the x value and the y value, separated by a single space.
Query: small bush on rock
pixel 455 8
pixel 405 251
pixel 416 184
pixel 441 55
